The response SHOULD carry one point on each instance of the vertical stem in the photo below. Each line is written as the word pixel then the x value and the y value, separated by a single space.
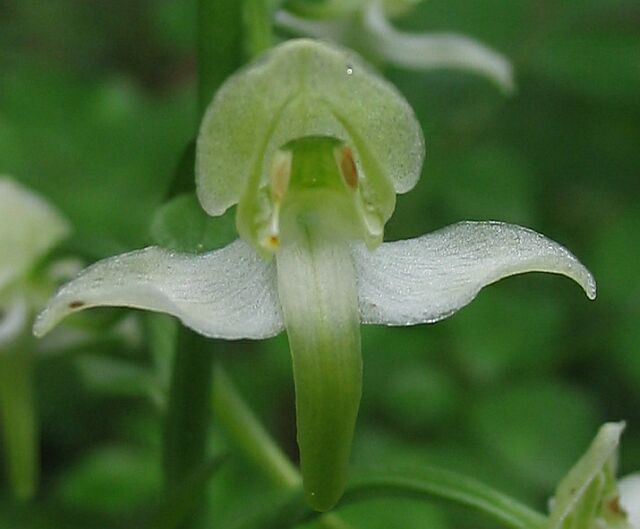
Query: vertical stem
pixel 254 441
pixel 186 428
pixel 18 420
pixel 258 27
pixel 187 419
pixel 221 28
pixel 250 436
pixel 220 47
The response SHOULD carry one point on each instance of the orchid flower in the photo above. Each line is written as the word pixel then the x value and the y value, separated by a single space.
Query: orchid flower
pixel 589 497
pixel 29 228
pixel 313 146
pixel 364 25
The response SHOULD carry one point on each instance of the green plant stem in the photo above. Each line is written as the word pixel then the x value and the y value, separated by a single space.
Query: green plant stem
pixel 249 435
pixel 188 416
pixel 221 28
pixel 257 27
pixel 239 422
pixel 220 45
pixel 433 483
pixel 18 420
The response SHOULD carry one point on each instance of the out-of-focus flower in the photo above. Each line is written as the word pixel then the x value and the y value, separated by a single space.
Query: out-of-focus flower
pixel 365 25
pixel 29 228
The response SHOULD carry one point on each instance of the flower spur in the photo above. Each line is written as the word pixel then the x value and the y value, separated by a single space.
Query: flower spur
pixel 313 146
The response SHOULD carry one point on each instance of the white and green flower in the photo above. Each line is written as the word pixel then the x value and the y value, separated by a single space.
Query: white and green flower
pixel 313 146
pixel 29 228
pixel 365 25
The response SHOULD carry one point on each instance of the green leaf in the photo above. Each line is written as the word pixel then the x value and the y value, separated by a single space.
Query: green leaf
pixel 285 510
pixel 180 502
pixel 602 65
pixel 436 484
pixel 121 378
pixel 534 428
pixel 111 480
pixel 182 225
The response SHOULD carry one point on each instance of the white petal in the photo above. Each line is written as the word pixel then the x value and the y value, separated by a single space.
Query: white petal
pixel 427 279
pixel 429 51
pixel 228 293
pixel 29 227
pixel 629 487
pixel 14 316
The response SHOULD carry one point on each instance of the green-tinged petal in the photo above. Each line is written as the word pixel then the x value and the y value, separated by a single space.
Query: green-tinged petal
pixel 428 51
pixel 629 487
pixel 317 290
pixel 324 8
pixel 587 498
pixel 427 279
pixel 228 293
pixel 29 227
pixel 306 88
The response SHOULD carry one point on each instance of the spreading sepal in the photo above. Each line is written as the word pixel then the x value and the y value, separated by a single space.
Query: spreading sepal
pixel 427 279
pixel 228 293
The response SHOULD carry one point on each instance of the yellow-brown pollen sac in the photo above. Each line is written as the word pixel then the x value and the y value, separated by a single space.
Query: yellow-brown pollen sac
pixel 348 167
pixel 279 178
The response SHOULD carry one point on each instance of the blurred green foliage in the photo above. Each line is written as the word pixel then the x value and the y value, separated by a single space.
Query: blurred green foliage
pixel 97 104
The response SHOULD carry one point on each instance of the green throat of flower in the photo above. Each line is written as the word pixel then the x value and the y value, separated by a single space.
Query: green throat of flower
pixel 313 183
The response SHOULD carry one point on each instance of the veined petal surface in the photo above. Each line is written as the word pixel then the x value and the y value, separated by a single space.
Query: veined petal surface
pixel 422 51
pixel 427 279
pixel 317 289
pixel 29 227
pixel 304 88
pixel 228 293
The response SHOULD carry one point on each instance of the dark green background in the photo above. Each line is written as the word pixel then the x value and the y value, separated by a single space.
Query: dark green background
pixel 97 103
